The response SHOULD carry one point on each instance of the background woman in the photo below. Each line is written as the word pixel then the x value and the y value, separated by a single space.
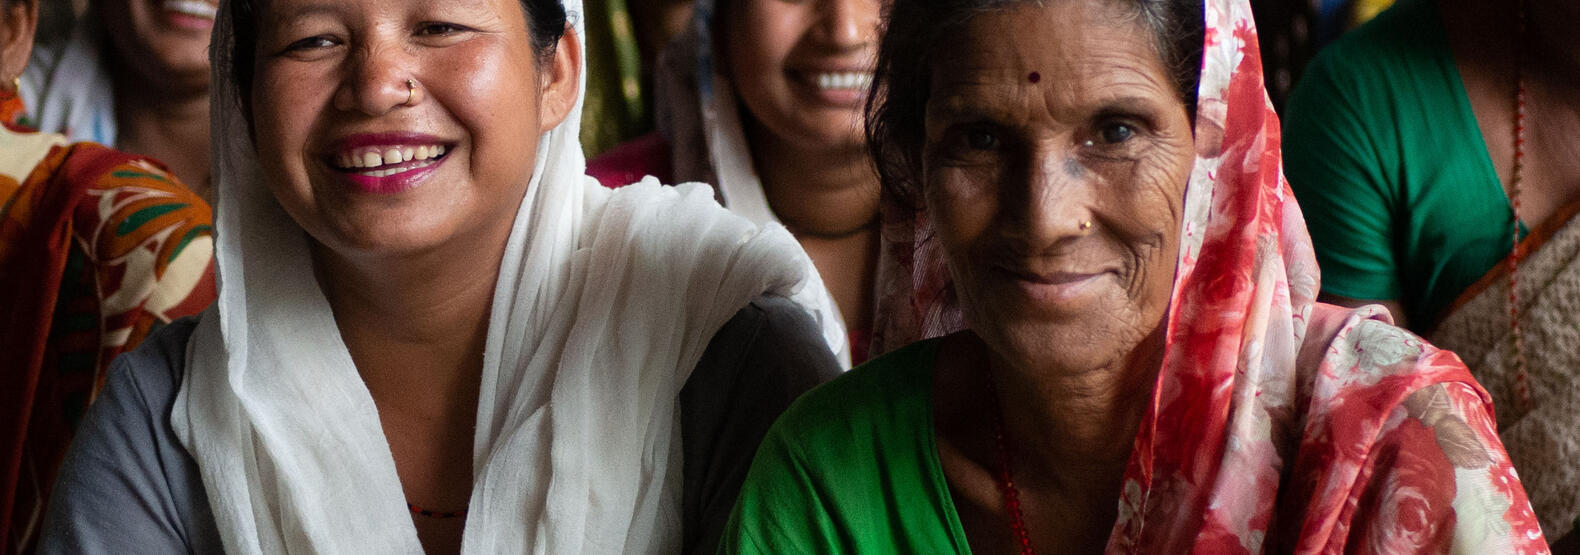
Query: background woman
pixel 134 75
pixel 763 98
pixel 97 249
pixel 1143 368
pixel 434 332
pixel 1424 144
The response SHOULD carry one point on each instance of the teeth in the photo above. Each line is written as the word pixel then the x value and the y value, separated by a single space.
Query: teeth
pixel 195 8
pixel 378 156
pixel 844 80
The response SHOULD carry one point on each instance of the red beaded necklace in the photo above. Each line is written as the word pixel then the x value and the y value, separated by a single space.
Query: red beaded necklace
pixel 1006 481
pixel 434 514
pixel 1522 389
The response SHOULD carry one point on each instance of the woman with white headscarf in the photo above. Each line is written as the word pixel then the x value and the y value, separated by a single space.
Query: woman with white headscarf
pixel 427 338
pixel 762 98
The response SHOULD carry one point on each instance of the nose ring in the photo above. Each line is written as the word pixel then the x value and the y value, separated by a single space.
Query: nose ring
pixel 1086 225
pixel 411 91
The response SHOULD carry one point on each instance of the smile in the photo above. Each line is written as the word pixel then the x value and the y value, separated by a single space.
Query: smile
pixel 843 80
pixel 1054 288
pixel 193 8
pixel 384 161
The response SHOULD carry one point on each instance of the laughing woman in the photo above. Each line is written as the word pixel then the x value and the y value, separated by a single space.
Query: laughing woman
pixel 1142 367
pixel 434 332
pixel 763 99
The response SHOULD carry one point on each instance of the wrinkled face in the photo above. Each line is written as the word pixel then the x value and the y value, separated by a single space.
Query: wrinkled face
pixel 162 40
pixel 367 172
pixel 1057 153
pixel 802 67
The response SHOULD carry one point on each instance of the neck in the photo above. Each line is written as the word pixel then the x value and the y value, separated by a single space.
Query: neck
pixel 827 193
pixel 169 124
pixel 415 327
pixel 1082 423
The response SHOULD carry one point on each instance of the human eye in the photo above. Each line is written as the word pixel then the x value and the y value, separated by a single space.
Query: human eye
pixel 982 140
pixel 317 42
pixel 440 29
pixel 1114 133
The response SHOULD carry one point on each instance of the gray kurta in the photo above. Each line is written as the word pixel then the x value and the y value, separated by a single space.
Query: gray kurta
pixel 128 486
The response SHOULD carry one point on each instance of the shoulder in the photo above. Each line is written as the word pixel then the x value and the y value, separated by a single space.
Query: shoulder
pixel 833 469
pixel 127 484
pixel 886 394
pixel 772 335
pixel 1356 367
pixel 631 161
pixel 1403 52
pixel 151 374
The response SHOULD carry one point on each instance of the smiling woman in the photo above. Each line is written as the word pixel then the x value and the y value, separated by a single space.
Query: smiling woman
pixel 133 75
pixel 434 332
pixel 762 99
pixel 1120 350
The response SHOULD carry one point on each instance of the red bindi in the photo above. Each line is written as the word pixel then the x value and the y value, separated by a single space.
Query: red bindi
pixel 1034 77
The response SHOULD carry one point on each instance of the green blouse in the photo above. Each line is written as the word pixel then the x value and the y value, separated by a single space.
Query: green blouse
pixel 832 472
pixel 1383 152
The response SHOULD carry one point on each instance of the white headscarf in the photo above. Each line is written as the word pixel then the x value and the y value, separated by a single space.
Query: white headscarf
pixel 66 87
pixel 604 304
pixel 699 115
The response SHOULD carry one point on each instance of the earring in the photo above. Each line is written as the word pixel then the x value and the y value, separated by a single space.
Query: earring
pixel 16 89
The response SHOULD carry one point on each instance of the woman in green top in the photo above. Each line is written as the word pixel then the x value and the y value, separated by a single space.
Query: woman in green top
pixel 1402 155
pixel 1131 358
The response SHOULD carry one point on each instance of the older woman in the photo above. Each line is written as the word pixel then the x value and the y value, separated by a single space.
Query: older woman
pixel 763 99
pixel 1142 368
pixel 434 332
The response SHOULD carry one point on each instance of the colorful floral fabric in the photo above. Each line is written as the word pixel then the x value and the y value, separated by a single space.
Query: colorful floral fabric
pixel 97 249
pixel 1277 424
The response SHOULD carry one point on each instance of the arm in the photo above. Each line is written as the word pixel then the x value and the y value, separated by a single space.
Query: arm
pixel 1395 308
pixel 1439 481
pixel 1345 190
pixel 755 366
pixel 778 510
pixel 127 486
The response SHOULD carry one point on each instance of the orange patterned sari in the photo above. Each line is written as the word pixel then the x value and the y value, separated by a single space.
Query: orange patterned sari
pixel 97 249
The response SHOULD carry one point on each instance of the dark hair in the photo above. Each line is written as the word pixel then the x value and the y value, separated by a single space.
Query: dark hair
pixel 545 25
pixel 914 33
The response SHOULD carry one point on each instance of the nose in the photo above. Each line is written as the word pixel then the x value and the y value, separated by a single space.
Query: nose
pixel 849 23
pixel 1052 203
pixel 375 80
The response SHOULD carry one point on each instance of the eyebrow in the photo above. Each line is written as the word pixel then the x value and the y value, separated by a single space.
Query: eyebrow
pixel 299 12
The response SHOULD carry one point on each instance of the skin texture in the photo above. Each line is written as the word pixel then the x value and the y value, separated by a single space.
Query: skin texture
pixel 1066 322
pixel 807 146
pixel 18 20
pixel 1479 34
pixel 410 275
pixel 160 72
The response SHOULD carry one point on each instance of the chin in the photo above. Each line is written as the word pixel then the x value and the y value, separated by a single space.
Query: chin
pixel 1073 342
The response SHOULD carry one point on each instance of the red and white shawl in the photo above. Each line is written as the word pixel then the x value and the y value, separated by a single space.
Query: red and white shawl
pixel 1277 423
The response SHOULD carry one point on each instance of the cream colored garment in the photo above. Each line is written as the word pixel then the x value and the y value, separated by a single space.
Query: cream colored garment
pixel 1545 442
pixel 606 301
pixel 700 116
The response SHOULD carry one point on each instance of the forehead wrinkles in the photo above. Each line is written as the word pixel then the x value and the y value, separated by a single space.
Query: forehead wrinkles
pixel 1083 54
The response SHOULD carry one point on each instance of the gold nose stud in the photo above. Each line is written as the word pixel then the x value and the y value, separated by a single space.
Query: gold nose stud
pixel 1086 225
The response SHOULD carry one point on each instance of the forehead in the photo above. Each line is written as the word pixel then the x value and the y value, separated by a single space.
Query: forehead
pixel 275 12
pixel 1068 44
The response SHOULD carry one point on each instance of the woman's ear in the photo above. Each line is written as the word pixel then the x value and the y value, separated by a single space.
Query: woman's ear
pixel 561 81
pixel 18 20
